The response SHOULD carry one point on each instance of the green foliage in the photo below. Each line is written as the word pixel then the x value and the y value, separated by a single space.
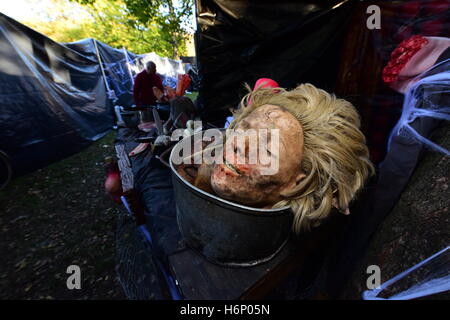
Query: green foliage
pixel 138 25
pixel 157 24
pixel 118 27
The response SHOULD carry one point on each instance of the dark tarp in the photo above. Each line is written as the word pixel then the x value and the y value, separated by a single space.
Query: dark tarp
pixel 360 81
pixel 116 64
pixel 366 52
pixel 121 67
pixel 293 42
pixel 289 41
pixel 53 100
pixel 329 45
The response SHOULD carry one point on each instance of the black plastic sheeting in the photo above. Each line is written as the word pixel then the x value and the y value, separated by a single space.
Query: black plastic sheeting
pixel 327 44
pixel 365 52
pixel 53 99
pixel 289 41
pixel 116 64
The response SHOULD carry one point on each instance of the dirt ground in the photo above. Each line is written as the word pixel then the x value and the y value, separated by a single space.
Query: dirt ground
pixel 56 217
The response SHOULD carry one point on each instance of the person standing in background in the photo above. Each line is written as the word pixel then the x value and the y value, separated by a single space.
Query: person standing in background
pixel 144 83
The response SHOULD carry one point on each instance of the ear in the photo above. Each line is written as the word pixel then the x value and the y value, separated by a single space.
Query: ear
pixel 294 182
pixel 300 177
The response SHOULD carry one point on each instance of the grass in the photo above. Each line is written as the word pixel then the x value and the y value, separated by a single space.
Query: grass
pixel 55 217
pixel 192 95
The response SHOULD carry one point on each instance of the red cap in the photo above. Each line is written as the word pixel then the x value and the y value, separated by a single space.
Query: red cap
pixel 265 83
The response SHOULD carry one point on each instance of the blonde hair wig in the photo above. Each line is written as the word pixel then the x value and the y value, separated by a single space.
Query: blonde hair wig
pixel 335 156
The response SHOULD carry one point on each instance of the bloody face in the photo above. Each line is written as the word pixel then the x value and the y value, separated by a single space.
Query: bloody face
pixel 249 184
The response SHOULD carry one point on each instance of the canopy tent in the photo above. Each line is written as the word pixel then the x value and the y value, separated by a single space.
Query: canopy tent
pixel 57 98
pixel 120 66
pixel 53 99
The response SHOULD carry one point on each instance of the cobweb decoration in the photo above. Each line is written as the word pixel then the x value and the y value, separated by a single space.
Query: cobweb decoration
pixel 120 74
pixel 119 78
pixel 429 277
pixel 429 96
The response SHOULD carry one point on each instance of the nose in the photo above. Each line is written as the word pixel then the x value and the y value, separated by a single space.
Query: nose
pixel 238 150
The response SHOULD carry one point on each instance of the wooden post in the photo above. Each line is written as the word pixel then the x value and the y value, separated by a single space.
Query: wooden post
pixel 126 175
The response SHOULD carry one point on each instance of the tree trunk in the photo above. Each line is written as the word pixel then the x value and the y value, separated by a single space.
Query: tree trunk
pixel 174 39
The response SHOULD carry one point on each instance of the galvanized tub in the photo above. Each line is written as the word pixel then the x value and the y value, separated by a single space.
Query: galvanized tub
pixel 224 232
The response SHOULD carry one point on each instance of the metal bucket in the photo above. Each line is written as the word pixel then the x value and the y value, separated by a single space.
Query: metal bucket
pixel 224 232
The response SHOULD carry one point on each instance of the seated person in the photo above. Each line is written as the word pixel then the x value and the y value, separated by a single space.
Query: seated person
pixel 323 158
pixel 144 83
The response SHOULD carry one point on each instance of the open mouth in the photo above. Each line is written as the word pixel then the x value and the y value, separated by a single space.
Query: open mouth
pixel 231 167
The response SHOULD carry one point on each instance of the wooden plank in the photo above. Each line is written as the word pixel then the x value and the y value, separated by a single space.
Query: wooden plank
pixel 126 174
pixel 127 179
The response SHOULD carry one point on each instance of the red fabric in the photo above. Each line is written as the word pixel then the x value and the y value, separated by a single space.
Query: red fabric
pixel 143 88
pixel 438 25
pixel 113 184
pixel 182 84
pixel 411 8
pixel 401 55
pixel 264 83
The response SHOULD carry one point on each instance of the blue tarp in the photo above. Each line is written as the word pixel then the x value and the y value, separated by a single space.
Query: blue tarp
pixel 55 99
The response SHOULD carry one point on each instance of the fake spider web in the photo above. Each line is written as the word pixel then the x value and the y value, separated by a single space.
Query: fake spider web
pixel 429 97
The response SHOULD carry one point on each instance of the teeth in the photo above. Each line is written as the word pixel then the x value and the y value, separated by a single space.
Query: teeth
pixel 230 166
